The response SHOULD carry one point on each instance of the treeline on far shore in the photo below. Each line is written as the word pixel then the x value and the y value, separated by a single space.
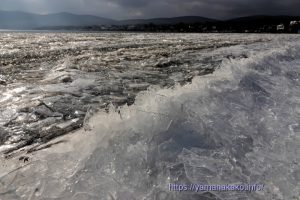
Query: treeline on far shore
pixel 207 27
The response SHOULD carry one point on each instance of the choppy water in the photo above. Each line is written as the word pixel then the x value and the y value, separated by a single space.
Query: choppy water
pixel 237 125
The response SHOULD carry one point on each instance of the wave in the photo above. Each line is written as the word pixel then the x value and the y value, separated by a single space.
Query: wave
pixel 237 125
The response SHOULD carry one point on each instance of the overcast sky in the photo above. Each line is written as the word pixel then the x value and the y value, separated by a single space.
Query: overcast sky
pixel 124 9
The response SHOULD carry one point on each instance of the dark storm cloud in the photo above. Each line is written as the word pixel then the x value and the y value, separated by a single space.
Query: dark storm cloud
pixel 132 4
pixel 158 8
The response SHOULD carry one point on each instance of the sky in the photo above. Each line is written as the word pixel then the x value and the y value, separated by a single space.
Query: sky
pixel 127 9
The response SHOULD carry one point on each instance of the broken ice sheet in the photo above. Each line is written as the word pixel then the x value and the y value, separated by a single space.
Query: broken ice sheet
pixel 237 125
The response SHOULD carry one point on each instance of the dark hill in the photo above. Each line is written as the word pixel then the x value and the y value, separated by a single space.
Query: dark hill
pixel 22 20
pixel 258 23
pixel 174 20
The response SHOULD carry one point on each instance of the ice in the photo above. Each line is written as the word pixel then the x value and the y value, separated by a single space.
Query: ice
pixel 237 125
pixel 94 70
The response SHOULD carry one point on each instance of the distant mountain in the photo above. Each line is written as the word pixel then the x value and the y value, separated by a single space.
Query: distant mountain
pixel 268 18
pixel 264 19
pixel 22 20
pixel 174 20
pixel 263 23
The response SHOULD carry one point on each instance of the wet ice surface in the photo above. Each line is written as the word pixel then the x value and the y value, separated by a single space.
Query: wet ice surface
pixel 237 125
pixel 50 81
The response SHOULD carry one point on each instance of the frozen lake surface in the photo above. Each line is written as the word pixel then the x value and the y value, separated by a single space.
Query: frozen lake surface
pixel 156 109
pixel 49 81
